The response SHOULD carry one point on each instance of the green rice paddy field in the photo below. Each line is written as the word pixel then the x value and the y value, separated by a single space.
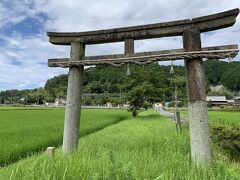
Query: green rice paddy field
pixel 223 118
pixel 147 147
pixel 27 130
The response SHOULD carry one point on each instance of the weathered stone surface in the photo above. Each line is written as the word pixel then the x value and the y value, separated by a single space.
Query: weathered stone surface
pixel 129 46
pixel 199 132
pixel 74 96
pixel 232 12
pixel 195 81
pixel 50 151
pixel 175 54
pixel 197 105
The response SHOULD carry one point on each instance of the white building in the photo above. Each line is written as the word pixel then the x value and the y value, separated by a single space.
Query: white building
pixel 217 100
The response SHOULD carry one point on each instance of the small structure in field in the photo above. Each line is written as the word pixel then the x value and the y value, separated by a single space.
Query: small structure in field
pixel 60 102
pixel 109 104
pixel 50 151
pixel 217 101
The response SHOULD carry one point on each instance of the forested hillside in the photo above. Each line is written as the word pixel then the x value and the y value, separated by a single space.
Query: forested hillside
pixel 225 73
pixel 149 83
pixel 146 84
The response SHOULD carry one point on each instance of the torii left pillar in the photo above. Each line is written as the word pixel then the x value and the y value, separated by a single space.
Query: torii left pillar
pixel 74 98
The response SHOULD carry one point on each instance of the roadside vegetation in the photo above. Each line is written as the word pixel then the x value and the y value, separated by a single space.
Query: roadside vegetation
pixel 225 131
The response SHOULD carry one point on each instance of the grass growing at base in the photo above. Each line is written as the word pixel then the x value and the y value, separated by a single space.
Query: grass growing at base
pixel 146 147
pixel 26 130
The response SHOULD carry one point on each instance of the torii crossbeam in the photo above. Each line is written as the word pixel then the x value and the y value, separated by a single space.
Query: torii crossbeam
pixel 192 53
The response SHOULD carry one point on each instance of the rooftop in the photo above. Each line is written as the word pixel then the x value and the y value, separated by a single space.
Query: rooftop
pixel 216 98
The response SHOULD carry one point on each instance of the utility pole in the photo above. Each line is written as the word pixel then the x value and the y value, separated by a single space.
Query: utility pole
pixel 176 111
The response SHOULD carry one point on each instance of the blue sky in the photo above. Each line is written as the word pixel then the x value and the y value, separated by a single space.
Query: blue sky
pixel 24 46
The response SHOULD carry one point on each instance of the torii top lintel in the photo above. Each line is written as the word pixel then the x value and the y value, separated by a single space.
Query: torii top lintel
pixel 166 29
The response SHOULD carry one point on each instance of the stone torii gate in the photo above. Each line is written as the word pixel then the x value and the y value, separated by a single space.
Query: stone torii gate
pixel 192 53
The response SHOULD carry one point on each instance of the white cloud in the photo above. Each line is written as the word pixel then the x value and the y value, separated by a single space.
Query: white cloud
pixel 75 16
pixel 71 15
pixel 22 85
pixel 31 54
pixel 16 11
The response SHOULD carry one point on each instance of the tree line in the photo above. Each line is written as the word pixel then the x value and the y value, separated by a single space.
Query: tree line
pixel 142 87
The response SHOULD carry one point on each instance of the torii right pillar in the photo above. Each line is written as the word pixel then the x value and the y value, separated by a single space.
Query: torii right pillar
pixel 197 104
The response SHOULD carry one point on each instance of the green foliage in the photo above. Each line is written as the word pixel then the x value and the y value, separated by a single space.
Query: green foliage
pixel 228 138
pixel 2 100
pixel 136 99
pixel 87 101
pixel 231 78
pixel 36 96
pixel 231 109
pixel 13 96
pixel 219 72
pixel 214 70
pixel 56 87
pixel 149 84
